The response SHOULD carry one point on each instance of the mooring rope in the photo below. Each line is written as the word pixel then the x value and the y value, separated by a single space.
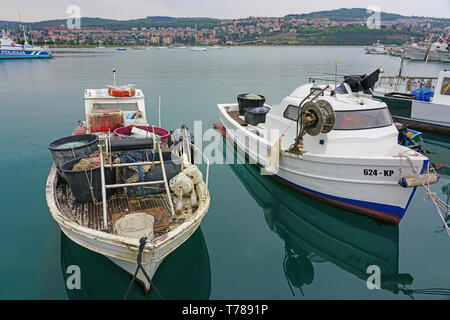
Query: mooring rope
pixel 429 291
pixel 91 188
pixel 142 242
pixel 438 203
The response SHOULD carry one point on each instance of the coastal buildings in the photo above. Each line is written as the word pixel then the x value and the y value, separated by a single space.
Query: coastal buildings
pixel 265 30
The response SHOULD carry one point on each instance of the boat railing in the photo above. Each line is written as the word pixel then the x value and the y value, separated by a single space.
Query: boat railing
pixel 405 84
pixel 327 78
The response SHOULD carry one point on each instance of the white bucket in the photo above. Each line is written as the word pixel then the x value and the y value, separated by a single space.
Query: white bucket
pixel 135 225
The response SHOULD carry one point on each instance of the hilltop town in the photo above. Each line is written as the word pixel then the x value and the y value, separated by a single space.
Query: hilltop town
pixel 335 27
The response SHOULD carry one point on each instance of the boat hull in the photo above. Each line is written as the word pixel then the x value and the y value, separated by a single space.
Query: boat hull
pixel 339 182
pixel 444 56
pixel 24 54
pixel 418 53
pixel 120 250
pixel 418 115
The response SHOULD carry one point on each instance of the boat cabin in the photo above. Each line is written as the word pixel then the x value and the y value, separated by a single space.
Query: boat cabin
pixel 442 92
pixel 106 112
pixel 362 126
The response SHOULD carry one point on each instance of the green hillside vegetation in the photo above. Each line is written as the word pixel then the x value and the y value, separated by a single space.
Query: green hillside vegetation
pixel 346 14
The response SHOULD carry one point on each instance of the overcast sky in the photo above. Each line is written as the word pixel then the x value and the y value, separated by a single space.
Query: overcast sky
pixel 37 10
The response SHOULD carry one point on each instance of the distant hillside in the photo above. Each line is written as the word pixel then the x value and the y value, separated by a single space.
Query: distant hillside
pixel 346 14
pixel 153 21
pixel 5 23
pixel 160 18
pixel 88 22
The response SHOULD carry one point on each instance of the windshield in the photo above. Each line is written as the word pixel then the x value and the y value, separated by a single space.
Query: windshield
pixel 362 119
pixel 128 106
pixel 446 87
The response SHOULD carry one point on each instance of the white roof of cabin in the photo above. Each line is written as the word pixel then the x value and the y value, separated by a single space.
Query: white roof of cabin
pixel 103 94
pixel 339 102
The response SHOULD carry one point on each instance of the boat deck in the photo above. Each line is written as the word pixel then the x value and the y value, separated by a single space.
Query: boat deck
pixel 90 215
pixel 235 116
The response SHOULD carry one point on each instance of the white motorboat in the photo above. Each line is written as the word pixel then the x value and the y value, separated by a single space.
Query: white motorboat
pixel 332 144
pixel 131 229
pixel 198 49
pixel 377 48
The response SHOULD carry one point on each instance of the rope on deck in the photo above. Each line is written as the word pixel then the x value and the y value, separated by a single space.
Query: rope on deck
pixel 142 243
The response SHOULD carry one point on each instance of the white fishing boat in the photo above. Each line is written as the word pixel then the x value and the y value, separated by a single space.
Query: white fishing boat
pixel 377 48
pixel 332 144
pixel 130 204
pixel 425 50
pixel 198 49
pixel 419 111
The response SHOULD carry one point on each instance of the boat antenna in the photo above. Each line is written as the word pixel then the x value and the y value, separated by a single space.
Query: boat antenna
pixel 335 73
pixel 114 76
pixel 23 30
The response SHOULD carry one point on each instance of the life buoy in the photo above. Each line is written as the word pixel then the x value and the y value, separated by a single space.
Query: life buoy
pixel 121 91
pixel 13 44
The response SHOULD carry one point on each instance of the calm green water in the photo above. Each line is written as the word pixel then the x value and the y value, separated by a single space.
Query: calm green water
pixel 259 239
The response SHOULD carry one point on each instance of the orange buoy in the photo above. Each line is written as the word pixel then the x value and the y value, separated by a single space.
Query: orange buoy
pixel 121 91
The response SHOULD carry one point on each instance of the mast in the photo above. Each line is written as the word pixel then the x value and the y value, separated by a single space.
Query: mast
pixel 23 30
pixel 24 36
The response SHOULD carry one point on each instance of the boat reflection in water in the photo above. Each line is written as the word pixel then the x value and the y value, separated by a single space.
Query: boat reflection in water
pixel 316 232
pixel 184 274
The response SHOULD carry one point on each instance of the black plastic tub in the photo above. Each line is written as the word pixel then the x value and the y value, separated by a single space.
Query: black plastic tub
pixel 172 164
pixel 79 181
pixel 246 103
pixel 82 146
pixel 252 117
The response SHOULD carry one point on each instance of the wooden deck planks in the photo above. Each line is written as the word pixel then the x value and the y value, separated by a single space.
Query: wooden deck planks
pixel 235 116
pixel 91 215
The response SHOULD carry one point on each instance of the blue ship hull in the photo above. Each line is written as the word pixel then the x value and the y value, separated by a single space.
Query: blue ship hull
pixel 24 54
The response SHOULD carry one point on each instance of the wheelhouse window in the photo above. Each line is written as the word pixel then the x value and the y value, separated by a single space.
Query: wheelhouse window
pixel 362 119
pixel 291 112
pixel 446 87
pixel 130 106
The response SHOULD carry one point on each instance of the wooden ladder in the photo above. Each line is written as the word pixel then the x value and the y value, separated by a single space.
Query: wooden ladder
pixel 135 184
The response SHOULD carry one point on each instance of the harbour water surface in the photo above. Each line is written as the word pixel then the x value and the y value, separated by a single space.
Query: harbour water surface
pixel 259 240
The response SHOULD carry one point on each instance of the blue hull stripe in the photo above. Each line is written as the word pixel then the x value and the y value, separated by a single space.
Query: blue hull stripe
pixel 17 56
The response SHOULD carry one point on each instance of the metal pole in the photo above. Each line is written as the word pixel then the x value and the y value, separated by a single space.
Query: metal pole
pixel 335 73
pixel 166 183
pixel 114 76
pixel 102 173
pixel 159 111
